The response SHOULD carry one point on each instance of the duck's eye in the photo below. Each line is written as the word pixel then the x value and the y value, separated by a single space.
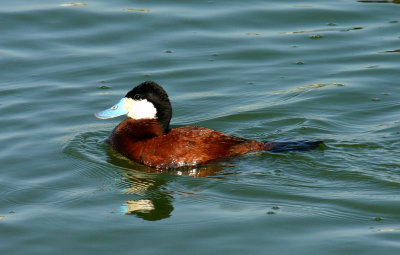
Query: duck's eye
pixel 137 97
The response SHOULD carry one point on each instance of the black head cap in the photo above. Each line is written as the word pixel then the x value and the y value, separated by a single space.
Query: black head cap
pixel 155 94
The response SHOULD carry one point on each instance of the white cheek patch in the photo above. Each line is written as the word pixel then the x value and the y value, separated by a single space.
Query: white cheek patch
pixel 140 109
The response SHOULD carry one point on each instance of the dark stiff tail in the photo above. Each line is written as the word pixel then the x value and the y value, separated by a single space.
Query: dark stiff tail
pixel 302 145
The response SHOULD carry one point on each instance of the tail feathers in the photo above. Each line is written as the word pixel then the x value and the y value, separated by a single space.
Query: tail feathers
pixel 302 145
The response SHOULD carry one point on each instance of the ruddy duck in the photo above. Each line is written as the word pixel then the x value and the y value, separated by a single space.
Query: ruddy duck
pixel 146 138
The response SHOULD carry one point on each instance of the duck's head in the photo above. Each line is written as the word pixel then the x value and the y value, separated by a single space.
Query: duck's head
pixel 148 100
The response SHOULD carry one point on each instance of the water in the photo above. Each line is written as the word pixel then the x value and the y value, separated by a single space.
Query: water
pixel 263 70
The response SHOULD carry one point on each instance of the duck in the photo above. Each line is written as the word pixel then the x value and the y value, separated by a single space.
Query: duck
pixel 146 137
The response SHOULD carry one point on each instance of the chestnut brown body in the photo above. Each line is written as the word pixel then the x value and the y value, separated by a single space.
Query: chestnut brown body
pixel 143 141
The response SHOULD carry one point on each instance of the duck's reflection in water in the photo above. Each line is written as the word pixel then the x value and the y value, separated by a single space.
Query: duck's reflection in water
pixel 149 209
pixel 156 202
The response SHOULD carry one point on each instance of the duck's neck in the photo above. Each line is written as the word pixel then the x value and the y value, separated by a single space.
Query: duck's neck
pixel 164 118
pixel 140 129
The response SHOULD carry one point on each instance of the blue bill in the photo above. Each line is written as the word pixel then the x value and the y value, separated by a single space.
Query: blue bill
pixel 115 111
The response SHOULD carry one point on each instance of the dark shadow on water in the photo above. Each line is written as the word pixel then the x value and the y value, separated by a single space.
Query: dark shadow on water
pixel 398 50
pixel 380 1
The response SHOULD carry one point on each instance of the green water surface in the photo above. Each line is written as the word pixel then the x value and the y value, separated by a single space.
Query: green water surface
pixel 319 70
